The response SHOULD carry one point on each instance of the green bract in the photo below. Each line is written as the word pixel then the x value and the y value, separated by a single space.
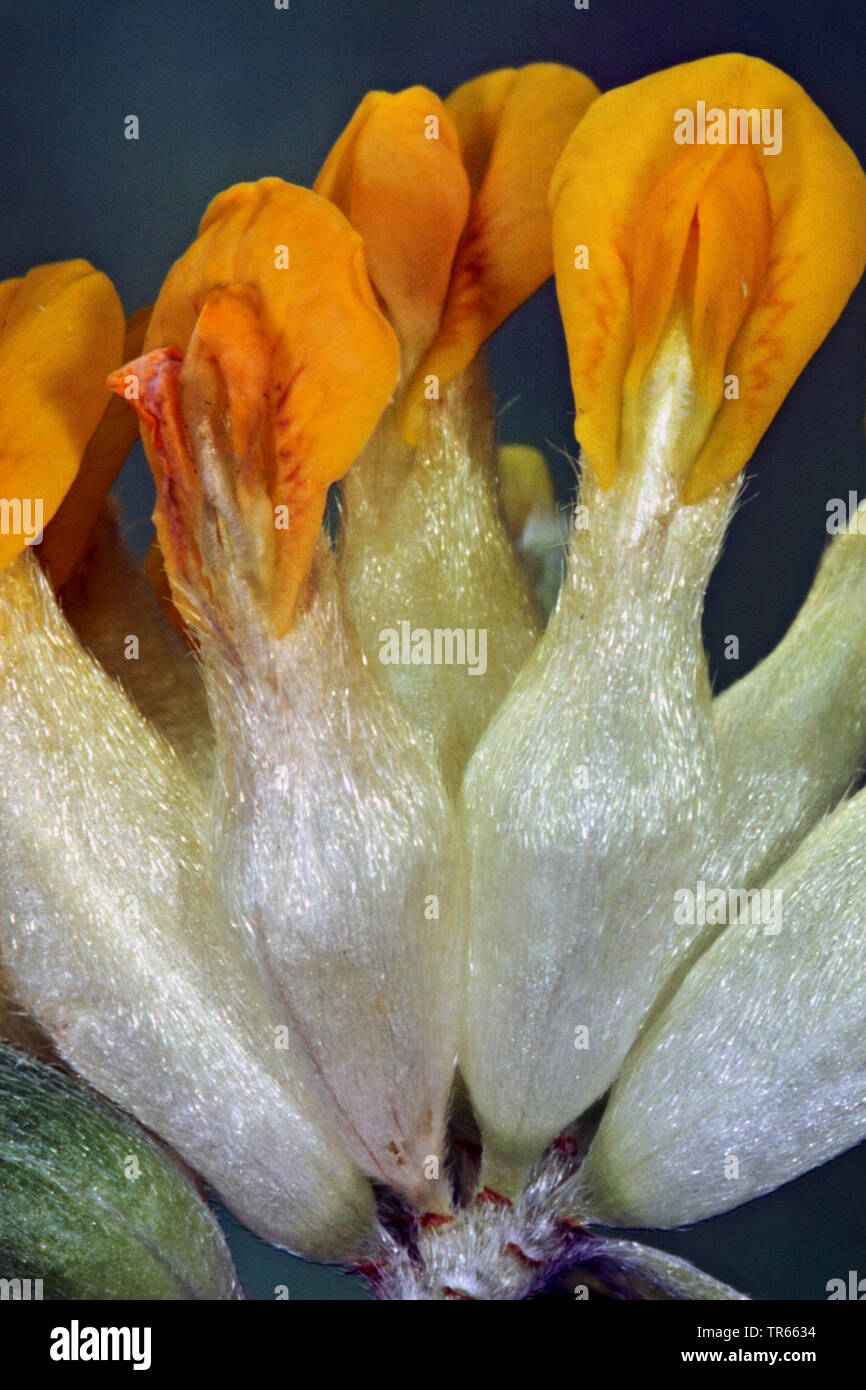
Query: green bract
pixel 91 1205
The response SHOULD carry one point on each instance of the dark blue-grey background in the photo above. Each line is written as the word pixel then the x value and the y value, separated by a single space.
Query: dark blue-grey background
pixel 236 89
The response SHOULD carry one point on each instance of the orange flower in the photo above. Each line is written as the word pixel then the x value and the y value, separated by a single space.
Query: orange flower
pixel 268 366
pixel 67 535
pixel 397 174
pixel 451 199
pixel 61 332
pixel 747 242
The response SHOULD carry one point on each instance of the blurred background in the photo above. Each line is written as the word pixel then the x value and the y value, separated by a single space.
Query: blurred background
pixel 228 90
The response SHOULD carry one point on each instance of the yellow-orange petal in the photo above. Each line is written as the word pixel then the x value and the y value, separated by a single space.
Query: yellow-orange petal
pixel 231 338
pixel 513 125
pixel 61 331
pixel 150 385
pixel 397 174
pixel 8 291
pixel 704 234
pixel 274 301
pixel 810 196
pixel 67 534
pixel 333 351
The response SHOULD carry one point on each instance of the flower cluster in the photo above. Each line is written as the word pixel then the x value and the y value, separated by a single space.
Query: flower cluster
pixel 324 854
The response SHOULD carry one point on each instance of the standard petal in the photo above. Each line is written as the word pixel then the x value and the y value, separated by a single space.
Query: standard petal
pixel 61 333
pixel 287 362
pixel 756 1070
pixel 513 125
pixel 628 229
pixel 68 533
pixel 397 174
